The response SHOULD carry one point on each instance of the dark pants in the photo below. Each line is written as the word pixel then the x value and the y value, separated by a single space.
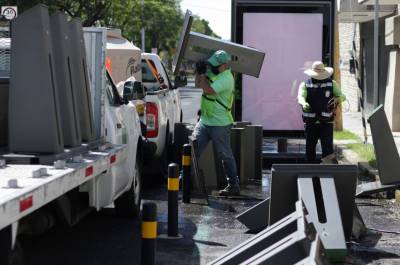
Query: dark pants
pixel 323 132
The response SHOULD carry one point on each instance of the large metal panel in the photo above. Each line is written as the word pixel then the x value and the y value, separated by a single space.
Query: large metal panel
pixel 386 152
pixel 66 92
pixel 196 46
pixel 95 46
pixel 81 81
pixel 34 114
pixel 284 192
pixel 256 217
pixel 251 153
pixel 4 84
pixel 289 250
pixel 320 199
pixel 263 240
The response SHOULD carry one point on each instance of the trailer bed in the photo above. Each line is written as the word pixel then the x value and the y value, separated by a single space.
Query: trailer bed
pixel 33 193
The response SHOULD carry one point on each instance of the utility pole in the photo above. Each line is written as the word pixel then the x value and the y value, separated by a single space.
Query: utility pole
pixel 142 30
pixel 376 54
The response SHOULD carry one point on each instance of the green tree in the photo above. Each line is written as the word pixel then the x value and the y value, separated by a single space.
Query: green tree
pixel 162 19
pixel 89 11
pixel 202 26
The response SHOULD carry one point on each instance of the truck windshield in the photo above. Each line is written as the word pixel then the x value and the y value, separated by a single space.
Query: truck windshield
pixel 147 75
pixel 112 92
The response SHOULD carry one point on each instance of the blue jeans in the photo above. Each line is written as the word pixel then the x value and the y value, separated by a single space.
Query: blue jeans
pixel 221 139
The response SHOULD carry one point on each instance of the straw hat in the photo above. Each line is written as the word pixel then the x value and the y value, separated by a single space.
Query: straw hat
pixel 319 71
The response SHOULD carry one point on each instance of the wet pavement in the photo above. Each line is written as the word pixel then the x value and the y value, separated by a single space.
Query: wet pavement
pixel 208 231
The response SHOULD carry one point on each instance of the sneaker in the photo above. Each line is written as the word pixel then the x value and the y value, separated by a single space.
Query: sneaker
pixel 230 191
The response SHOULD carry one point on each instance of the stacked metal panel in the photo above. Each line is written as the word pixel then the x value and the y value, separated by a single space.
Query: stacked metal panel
pixel 34 107
pixel 49 100
pixel 81 80
pixel 63 70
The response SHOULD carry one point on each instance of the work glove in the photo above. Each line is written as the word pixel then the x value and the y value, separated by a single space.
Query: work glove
pixel 332 103
pixel 306 107
pixel 201 67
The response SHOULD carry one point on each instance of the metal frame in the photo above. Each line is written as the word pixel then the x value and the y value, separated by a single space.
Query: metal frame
pixel 323 212
pixel 268 237
pixel 284 178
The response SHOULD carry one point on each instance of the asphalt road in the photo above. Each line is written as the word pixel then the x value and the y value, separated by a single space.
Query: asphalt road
pixel 208 231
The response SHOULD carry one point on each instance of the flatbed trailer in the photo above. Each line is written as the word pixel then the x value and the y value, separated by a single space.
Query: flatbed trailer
pixel 21 193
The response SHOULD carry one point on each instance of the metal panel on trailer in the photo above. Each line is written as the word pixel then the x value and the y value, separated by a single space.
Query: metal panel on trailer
pixel 95 46
pixel 4 85
pixel 67 93
pixel 34 114
pixel 81 80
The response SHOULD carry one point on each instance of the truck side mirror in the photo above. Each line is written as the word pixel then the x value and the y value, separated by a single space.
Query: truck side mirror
pixel 180 80
pixel 138 90
pixel 128 93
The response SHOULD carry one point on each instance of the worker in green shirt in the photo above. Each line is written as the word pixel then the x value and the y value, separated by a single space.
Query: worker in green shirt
pixel 318 97
pixel 216 119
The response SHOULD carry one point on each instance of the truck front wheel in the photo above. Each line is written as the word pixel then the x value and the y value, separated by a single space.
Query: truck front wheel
pixel 128 204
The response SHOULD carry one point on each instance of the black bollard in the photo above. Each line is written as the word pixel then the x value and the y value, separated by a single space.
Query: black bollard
pixel 149 233
pixel 186 161
pixel 173 190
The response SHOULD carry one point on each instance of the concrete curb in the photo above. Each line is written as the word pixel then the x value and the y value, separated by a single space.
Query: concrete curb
pixel 349 156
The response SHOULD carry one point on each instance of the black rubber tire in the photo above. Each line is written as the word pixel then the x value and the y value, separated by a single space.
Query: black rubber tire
pixel 128 204
pixel 165 156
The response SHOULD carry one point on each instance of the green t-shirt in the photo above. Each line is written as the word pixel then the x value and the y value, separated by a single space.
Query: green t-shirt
pixel 215 114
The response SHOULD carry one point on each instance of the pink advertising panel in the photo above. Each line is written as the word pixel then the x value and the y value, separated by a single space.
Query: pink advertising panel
pixel 291 41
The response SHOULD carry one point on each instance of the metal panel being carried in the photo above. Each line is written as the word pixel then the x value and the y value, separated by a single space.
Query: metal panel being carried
pixel 67 93
pixel 81 81
pixel 34 109
pixel 195 46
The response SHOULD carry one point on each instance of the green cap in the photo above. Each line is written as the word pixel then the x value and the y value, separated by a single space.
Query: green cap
pixel 219 57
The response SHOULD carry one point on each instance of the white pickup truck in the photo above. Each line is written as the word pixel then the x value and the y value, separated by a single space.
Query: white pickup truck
pixel 163 109
pixel 33 196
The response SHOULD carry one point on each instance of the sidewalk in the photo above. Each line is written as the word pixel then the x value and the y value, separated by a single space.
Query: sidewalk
pixel 352 122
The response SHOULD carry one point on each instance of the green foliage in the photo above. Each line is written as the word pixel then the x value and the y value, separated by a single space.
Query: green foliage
pixel 365 151
pixel 162 19
pixel 345 135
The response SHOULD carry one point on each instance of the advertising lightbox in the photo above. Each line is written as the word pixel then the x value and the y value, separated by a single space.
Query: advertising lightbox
pixel 292 41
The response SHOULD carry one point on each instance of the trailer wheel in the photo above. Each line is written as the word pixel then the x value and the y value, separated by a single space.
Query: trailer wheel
pixel 128 204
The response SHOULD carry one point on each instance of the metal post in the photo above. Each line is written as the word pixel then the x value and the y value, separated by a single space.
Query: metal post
pixel 282 145
pixel 237 134
pixel 376 54
pixel 173 189
pixel 186 161
pixel 142 32
pixel 149 233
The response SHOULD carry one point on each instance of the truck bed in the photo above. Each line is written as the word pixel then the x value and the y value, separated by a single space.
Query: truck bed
pixel 33 193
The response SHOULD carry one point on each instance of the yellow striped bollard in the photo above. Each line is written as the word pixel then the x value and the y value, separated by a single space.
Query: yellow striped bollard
pixel 173 190
pixel 186 161
pixel 149 233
